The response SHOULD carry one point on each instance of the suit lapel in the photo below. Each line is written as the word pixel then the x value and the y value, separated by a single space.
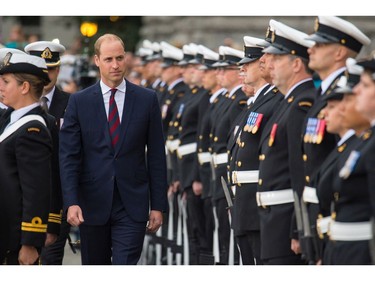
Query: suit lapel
pixel 99 115
pixel 130 97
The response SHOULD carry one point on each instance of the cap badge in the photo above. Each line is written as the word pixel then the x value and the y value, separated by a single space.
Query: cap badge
pixel 316 26
pixel 46 54
pixel 268 32
pixel 273 37
pixel 7 59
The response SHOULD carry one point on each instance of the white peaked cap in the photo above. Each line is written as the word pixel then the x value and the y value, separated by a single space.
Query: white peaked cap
pixel 143 52
pixel 147 44
pixel 229 51
pixel 252 41
pixel 156 47
pixel 353 67
pixel 208 53
pixel 290 33
pixel 346 27
pixel 5 51
pixel 190 49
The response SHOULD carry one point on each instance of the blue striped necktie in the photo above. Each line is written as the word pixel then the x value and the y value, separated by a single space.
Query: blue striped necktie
pixel 113 119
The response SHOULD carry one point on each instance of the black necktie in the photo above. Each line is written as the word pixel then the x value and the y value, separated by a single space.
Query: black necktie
pixel 44 103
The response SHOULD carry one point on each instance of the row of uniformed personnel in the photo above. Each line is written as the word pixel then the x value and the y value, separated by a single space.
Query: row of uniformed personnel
pixel 300 180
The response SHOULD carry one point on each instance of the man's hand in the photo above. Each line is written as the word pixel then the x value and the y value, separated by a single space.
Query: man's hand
pixel 50 239
pixel 74 216
pixel 28 255
pixel 197 188
pixel 155 221
pixel 295 246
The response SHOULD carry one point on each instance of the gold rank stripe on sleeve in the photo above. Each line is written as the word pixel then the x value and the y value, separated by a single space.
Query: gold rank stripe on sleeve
pixel 55 218
pixel 305 103
pixel 36 225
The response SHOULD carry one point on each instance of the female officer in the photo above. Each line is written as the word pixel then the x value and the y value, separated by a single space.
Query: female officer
pixel 349 229
pixel 25 167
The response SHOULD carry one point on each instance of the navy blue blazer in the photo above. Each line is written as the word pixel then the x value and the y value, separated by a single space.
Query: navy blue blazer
pixel 89 166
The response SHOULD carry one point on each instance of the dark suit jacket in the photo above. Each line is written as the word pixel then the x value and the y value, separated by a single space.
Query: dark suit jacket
pixel 25 185
pixel 90 167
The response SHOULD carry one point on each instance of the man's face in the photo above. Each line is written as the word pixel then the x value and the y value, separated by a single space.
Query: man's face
pixel 111 62
pixel 53 73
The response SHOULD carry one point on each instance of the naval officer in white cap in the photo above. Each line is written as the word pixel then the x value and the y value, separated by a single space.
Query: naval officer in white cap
pixel 54 101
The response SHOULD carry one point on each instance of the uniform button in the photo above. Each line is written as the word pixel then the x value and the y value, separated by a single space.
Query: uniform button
pixel 262 157
pixel 170 123
pixel 200 150
pixel 176 124
pixel 304 157
pixel 307 179
pixel 180 129
pixel 260 181
pixel 242 144
pixel 200 137
pixel 239 164
pixel 210 149
pixel 211 135
pixel 216 139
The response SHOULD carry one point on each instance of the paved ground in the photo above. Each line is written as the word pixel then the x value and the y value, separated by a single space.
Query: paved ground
pixel 70 258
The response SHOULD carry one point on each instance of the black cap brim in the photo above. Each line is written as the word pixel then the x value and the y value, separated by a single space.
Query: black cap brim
pixel 273 50
pixel 368 64
pixel 247 60
pixel 319 39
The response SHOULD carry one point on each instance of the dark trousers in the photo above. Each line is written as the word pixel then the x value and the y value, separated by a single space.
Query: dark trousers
pixel 249 244
pixel 209 223
pixel 196 226
pixel 54 254
pixel 118 242
pixel 287 260
pixel 223 229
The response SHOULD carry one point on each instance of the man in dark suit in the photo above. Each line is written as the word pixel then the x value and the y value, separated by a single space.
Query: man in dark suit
pixel 54 102
pixel 281 165
pixel 112 162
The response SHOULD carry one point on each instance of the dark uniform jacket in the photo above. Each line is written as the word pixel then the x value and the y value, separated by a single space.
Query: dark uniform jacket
pixel 323 181
pixel 351 194
pixel 57 110
pixel 203 171
pixel 317 149
pixel 244 157
pixel 224 119
pixel 188 134
pixel 169 110
pixel 25 185
pixel 281 167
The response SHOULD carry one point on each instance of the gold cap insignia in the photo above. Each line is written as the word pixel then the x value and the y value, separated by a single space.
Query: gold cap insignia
pixel 46 54
pixel 273 37
pixel 7 58
pixel 316 26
